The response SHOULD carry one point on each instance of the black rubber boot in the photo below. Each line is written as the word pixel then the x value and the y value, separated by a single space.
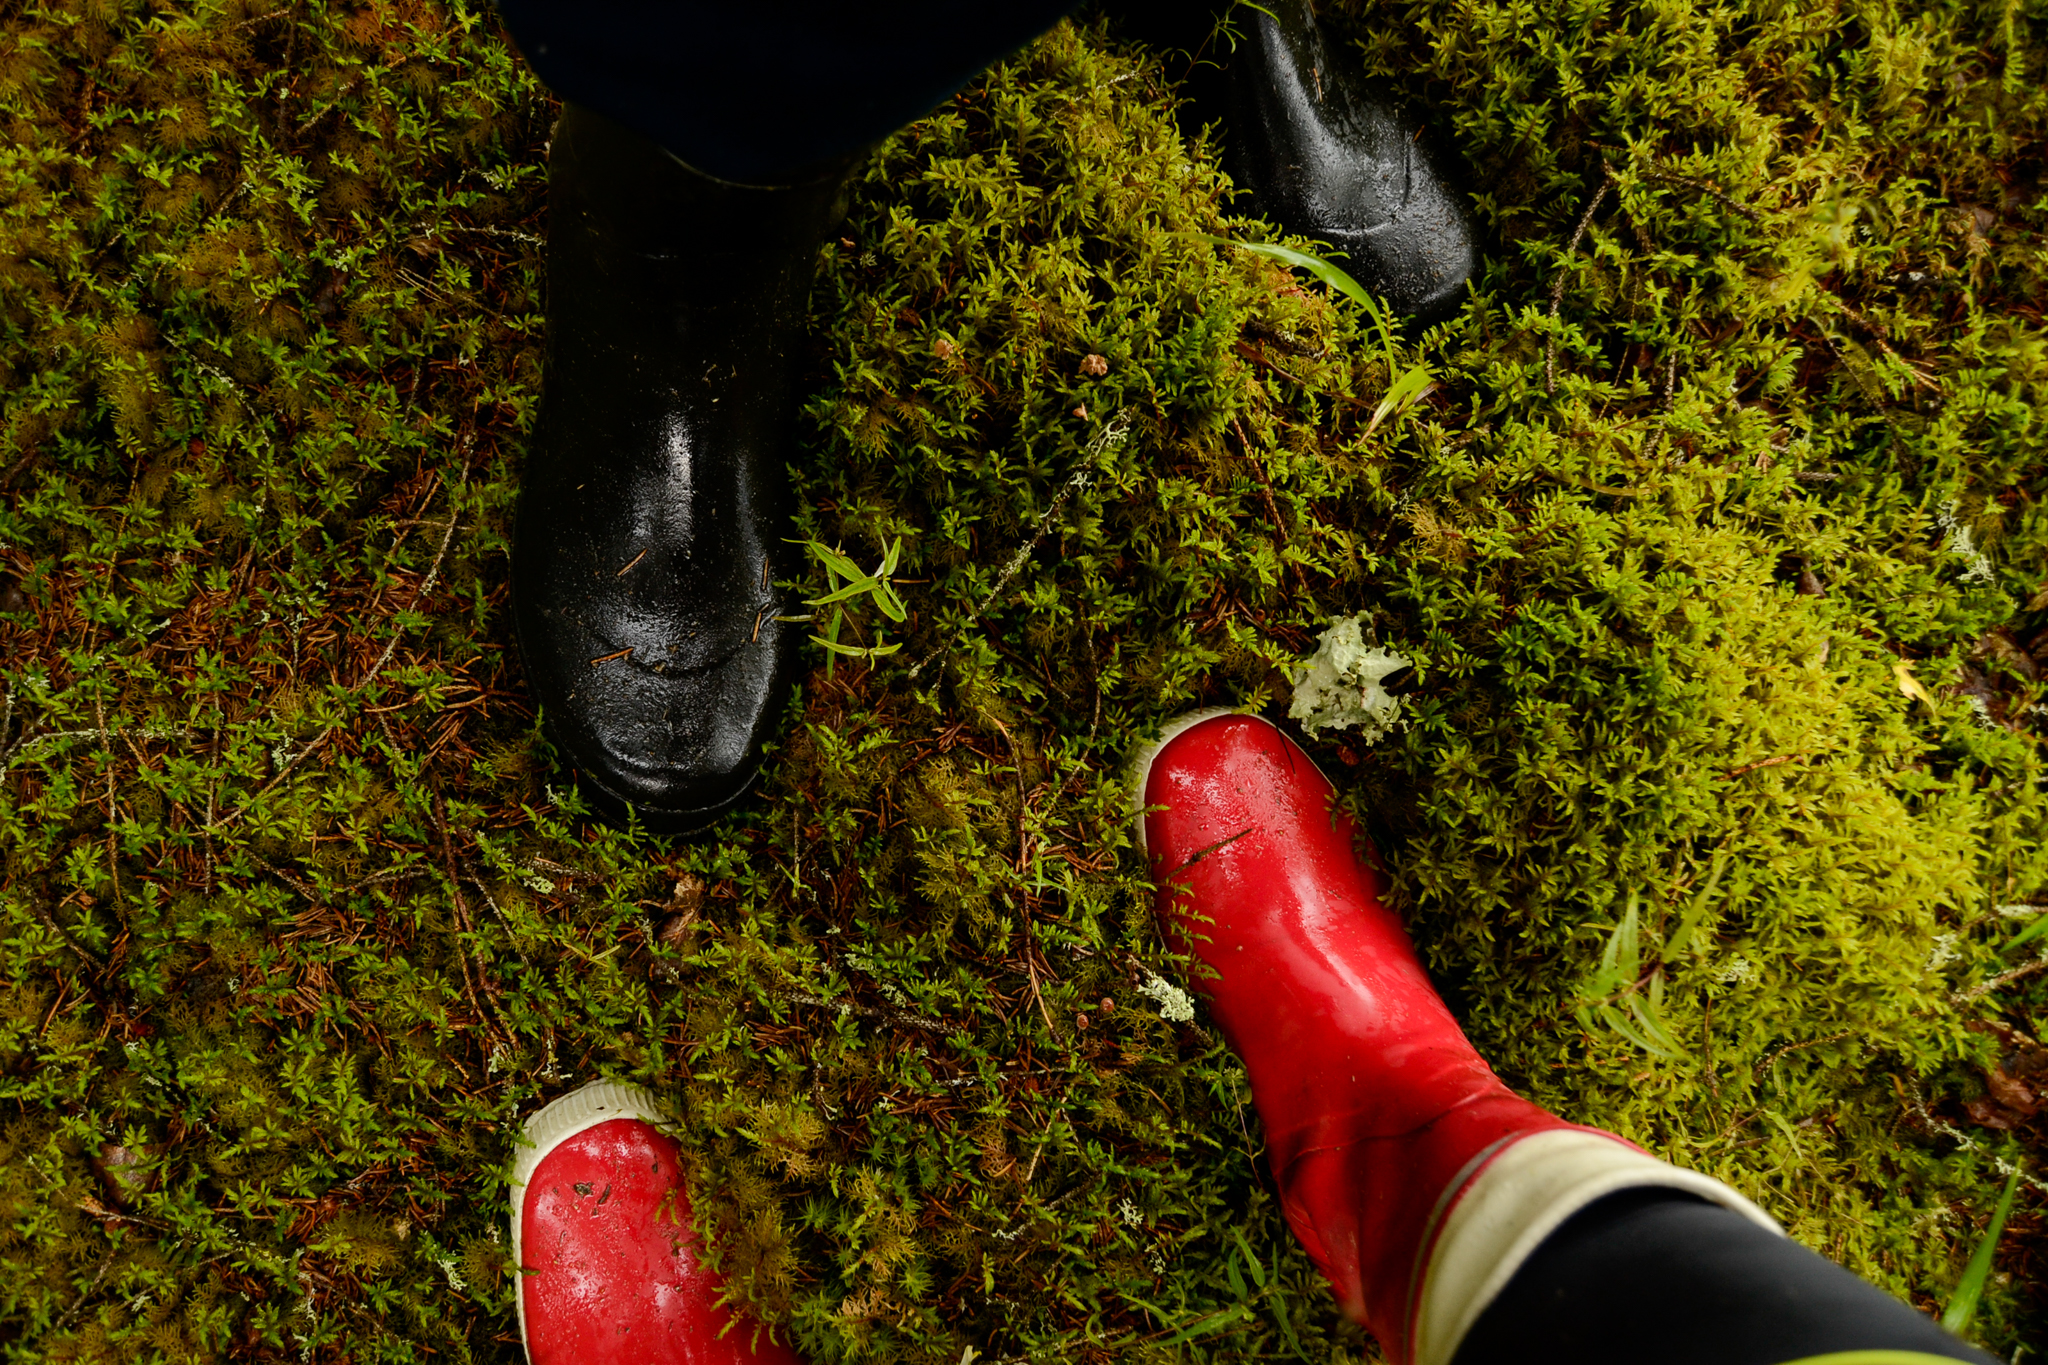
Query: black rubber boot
pixel 1320 149
pixel 654 513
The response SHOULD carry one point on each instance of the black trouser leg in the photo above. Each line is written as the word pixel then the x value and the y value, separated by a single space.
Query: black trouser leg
pixel 768 92
pixel 1652 1276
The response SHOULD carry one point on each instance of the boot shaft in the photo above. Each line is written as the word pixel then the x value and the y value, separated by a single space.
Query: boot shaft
pixel 646 254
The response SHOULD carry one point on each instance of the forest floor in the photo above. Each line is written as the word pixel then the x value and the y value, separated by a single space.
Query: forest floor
pixel 1715 542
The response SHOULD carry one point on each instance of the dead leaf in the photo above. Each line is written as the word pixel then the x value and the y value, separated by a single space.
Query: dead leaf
pixel 2010 1091
pixel 2000 645
pixel 1986 1112
pixel 1909 684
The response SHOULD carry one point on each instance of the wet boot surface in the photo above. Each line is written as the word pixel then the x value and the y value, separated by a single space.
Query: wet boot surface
pixel 654 513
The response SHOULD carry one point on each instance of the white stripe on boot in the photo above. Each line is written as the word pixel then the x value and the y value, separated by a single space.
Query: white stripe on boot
pixel 1522 1195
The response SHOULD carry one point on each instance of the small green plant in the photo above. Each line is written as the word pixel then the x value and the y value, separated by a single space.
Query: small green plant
pixel 1266 1285
pixel 849 583
pixel 1407 385
pixel 1619 981
pixel 2028 934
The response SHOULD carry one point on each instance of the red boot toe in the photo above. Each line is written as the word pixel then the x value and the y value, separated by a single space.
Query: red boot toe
pixel 610 1272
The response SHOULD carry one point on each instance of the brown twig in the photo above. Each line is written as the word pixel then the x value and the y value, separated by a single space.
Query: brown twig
pixel 1771 1058
pixel 1664 402
pixel 1112 433
pixel 1017 766
pixel 1917 1103
pixel 1690 183
pixel 1883 339
pixel 901 1018
pixel 1557 285
pixel 483 889
pixel 1707 1039
pixel 462 922
pixel 2019 973
pixel 86 1293
pixel 1031 972
pixel 93 966
pixel 28 458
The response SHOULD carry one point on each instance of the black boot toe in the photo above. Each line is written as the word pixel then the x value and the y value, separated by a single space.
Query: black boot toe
pixel 654 514
pixel 1329 154
pixel 677 748
pixel 659 708
pixel 1321 150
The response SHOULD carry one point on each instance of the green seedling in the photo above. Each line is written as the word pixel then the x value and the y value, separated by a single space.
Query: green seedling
pixel 1201 1327
pixel 1619 981
pixel 849 583
pixel 2029 934
pixel 1695 913
pixel 1266 1285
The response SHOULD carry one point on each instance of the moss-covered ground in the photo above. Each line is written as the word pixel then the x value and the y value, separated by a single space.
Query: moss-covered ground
pixel 1717 545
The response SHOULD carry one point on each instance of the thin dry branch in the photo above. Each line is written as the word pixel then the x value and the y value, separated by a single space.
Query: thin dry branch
pixel 1557 285
pixel 474 989
pixel 1112 433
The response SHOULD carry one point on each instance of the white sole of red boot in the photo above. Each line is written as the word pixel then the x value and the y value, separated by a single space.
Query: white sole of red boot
pixel 554 1124
pixel 1141 762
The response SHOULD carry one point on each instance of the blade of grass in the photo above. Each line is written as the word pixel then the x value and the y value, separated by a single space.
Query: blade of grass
pixel 2030 933
pixel 1697 911
pixel 847 593
pixel 1215 1322
pixel 1652 1024
pixel 1615 1020
pixel 1258 1272
pixel 1411 388
pixel 1962 1305
pixel 834 561
pixel 1331 275
pixel 858 651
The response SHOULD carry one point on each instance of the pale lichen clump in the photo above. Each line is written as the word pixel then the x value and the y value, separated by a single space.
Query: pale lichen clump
pixel 1176 1006
pixel 1958 541
pixel 1339 687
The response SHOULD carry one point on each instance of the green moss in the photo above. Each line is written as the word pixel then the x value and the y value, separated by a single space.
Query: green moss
pixel 1730 559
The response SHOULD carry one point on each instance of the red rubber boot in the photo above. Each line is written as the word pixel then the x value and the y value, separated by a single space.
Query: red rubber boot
pixel 601 1231
pixel 1416 1180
